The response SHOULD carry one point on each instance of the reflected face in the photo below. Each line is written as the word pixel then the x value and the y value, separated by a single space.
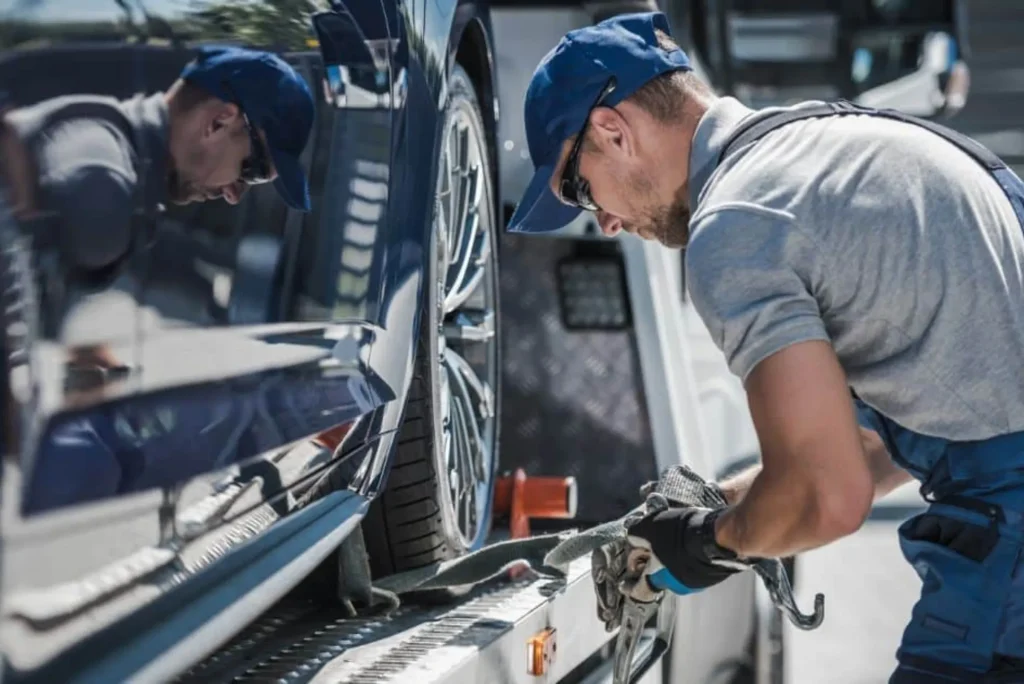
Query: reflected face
pixel 222 160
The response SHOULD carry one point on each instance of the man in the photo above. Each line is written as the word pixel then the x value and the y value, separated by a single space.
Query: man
pixel 83 175
pixel 234 118
pixel 864 277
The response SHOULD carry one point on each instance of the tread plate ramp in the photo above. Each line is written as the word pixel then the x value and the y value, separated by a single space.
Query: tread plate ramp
pixel 302 641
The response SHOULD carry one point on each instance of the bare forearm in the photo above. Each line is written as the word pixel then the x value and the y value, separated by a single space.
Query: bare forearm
pixel 886 475
pixel 775 518
pixel 778 519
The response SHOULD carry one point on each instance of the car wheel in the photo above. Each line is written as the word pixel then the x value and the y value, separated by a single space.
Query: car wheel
pixel 437 500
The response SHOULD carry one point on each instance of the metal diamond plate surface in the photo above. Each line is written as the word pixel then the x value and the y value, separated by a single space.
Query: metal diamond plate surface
pixel 309 641
pixel 573 400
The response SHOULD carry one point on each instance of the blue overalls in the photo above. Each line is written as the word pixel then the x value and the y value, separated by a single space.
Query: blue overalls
pixel 968 625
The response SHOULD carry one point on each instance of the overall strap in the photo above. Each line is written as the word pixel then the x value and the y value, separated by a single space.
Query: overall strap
pixel 760 126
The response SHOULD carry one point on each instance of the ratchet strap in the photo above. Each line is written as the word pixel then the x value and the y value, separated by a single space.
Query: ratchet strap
pixel 551 554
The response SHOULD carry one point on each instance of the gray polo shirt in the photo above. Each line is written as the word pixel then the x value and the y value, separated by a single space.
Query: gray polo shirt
pixel 878 236
pixel 99 161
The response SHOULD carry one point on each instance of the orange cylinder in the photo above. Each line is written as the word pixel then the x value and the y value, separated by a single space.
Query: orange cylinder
pixel 541 497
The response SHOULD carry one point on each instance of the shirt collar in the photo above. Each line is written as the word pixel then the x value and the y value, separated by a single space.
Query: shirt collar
pixel 150 118
pixel 713 130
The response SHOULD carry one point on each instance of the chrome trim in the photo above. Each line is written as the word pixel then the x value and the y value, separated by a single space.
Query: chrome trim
pixel 202 627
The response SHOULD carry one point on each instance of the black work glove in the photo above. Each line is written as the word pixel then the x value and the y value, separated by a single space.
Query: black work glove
pixel 682 541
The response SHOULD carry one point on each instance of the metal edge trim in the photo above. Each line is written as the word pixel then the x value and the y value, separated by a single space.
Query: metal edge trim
pixel 220 613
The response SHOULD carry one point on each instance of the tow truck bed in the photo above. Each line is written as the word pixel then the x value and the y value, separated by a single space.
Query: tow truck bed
pixel 484 636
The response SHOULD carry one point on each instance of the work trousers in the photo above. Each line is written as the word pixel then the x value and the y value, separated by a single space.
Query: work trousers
pixel 968 624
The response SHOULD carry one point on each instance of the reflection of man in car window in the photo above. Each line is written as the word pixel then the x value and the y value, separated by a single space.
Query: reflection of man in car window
pixel 234 118
pixel 83 174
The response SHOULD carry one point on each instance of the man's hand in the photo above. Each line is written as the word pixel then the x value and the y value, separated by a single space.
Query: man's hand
pixel 682 543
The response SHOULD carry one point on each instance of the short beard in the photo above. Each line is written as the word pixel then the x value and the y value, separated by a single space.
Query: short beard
pixel 671 225
pixel 179 191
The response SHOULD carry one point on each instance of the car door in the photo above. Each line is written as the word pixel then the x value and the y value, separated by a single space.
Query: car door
pixel 234 371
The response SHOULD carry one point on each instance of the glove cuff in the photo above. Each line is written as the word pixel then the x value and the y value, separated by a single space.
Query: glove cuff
pixel 712 549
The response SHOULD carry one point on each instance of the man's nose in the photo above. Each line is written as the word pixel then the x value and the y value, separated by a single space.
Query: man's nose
pixel 610 225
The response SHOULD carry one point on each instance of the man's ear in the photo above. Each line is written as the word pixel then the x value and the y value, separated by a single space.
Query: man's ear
pixel 612 131
pixel 222 115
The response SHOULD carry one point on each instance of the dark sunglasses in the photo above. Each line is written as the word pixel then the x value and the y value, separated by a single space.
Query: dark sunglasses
pixel 256 167
pixel 572 189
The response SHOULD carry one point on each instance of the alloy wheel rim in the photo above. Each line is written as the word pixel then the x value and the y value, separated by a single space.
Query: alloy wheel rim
pixel 466 339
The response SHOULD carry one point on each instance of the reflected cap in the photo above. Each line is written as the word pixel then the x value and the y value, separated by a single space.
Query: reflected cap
pixel 274 97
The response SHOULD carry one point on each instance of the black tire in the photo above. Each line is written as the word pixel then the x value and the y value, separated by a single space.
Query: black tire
pixel 406 526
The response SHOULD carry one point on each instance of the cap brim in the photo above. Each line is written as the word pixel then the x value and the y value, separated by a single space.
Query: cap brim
pixel 539 211
pixel 291 181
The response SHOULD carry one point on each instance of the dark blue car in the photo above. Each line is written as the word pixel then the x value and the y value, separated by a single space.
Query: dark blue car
pixel 190 431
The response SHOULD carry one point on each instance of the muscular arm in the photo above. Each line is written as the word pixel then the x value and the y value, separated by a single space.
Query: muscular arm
pixel 817 481
pixel 753 273
pixel 886 475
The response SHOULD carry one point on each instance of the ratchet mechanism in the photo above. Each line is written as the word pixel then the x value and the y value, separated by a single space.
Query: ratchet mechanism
pixel 625 599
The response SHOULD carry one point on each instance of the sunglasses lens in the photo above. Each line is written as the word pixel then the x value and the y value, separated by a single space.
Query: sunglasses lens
pixel 567 190
pixel 583 196
pixel 255 169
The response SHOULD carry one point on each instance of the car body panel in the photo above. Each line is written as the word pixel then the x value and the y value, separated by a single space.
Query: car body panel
pixel 269 352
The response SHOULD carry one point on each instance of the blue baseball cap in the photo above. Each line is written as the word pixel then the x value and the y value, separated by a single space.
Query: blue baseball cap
pixel 273 96
pixel 565 86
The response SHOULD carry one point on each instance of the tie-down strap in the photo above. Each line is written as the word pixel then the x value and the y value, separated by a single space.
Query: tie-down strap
pixel 551 554
pixel 681 486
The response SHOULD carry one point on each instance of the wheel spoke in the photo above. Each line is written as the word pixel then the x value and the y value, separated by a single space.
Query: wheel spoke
pixel 468 504
pixel 471 272
pixel 464 376
pixel 445 406
pixel 464 380
pixel 468 227
pixel 443 240
pixel 465 442
pixel 469 190
pixel 476 447
pixel 470 325
pixel 449 174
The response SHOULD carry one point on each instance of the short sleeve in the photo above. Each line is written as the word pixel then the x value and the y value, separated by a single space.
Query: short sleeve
pixel 95 204
pixel 89 181
pixel 748 274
